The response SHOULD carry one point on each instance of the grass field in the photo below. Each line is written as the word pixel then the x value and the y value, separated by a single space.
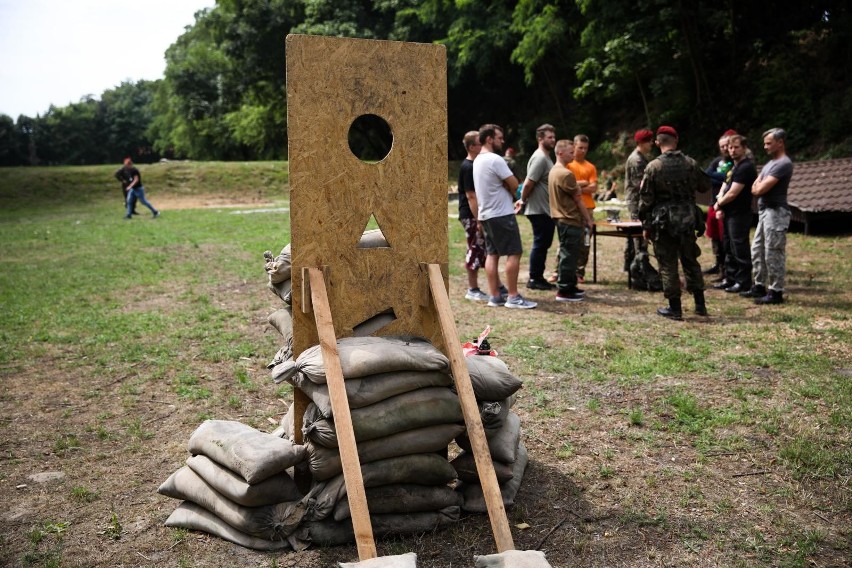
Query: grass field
pixel 720 441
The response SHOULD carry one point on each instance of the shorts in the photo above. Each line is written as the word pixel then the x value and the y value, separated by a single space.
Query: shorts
pixel 502 236
pixel 475 257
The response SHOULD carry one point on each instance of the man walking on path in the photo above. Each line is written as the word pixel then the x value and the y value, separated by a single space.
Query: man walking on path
pixel 768 249
pixel 495 191
pixel 534 196
pixel 136 192
pixel 669 219
pixel 571 216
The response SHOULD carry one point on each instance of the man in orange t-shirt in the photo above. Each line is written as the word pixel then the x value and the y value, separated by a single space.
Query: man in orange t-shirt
pixel 587 180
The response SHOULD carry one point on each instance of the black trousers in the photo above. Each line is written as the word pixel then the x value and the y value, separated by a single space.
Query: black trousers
pixel 737 248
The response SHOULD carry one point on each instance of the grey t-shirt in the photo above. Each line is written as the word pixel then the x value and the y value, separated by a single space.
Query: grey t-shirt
pixel 782 169
pixel 538 168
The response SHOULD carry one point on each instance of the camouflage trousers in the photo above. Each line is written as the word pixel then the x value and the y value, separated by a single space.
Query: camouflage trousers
pixel 669 250
pixel 768 249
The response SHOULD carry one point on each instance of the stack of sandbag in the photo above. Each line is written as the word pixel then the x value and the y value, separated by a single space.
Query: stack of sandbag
pixel 236 486
pixel 494 387
pixel 279 270
pixel 404 415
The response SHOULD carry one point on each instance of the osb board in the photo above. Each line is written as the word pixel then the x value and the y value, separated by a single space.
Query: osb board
pixel 330 83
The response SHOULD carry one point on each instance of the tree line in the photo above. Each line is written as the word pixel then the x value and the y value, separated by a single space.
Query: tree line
pixel 601 67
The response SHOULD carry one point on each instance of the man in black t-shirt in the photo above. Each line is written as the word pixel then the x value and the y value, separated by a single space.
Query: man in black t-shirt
pixel 734 206
pixel 136 191
pixel 122 175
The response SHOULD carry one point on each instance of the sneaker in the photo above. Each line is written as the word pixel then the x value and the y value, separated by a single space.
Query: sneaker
pixel 127 217
pixel 476 295
pixel 579 292
pixel 573 296
pixel 536 284
pixel 519 302
pixel 496 301
pixel 136 213
pixel 504 292
pixel 156 214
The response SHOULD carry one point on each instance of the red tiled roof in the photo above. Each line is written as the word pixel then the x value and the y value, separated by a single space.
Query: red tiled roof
pixel 821 186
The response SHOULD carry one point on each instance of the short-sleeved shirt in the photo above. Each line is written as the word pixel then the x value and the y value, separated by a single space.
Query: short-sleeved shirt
pixel 585 171
pixel 745 173
pixel 489 171
pixel 127 175
pixel 562 189
pixel 465 185
pixel 782 169
pixel 538 168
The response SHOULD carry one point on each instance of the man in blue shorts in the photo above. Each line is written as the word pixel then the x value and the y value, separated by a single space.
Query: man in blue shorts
pixel 495 195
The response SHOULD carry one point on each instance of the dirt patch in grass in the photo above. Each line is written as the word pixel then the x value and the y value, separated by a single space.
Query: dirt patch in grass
pixel 677 463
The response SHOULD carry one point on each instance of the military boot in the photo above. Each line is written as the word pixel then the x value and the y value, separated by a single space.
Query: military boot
pixel 700 306
pixel 773 297
pixel 673 310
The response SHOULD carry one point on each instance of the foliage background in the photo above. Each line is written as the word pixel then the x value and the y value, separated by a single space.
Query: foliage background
pixel 602 67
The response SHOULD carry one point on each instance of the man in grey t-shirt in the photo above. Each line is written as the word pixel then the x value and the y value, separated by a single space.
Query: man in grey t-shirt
pixel 768 248
pixel 535 197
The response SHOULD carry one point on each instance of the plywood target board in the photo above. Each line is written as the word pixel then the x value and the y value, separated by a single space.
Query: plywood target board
pixel 332 83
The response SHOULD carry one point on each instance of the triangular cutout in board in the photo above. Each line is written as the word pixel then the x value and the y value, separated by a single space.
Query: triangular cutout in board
pixel 373 238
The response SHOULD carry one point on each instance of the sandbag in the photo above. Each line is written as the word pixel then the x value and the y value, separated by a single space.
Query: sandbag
pixel 280 268
pixel 415 409
pixel 286 427
pixel 363 356
pixel 271 522
pixel 276 489
pixel 465 466
pixel 282 321
pixel 325 462
pixel 251 453
pixel 283 290
pixel 407 560
pixel 332 533
pixel 190 516
pixel 422 469
pixel 491 378
pixel 403 498
pixel 513 559
pixel 474 500
pixel 372 388
pixel 503 444
pixel 493 413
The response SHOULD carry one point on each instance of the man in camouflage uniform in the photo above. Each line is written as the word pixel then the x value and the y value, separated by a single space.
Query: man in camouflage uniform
pixel 670 218
pixel 634 170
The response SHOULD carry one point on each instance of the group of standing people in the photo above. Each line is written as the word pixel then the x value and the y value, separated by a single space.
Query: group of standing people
pixel 660 193
pixel 671 220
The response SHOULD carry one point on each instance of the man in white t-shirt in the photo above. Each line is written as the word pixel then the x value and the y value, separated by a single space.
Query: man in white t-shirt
pixel 495 194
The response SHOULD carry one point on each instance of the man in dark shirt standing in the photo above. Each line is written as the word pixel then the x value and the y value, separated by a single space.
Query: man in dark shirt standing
pixel 122 175
pixel 733 206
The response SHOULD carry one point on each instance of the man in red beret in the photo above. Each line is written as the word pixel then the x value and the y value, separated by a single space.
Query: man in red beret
pixel 634 169
pixel 670 218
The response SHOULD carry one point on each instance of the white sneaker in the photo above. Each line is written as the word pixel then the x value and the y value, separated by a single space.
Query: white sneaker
pixel 496 301
pixel 476 295
pixel 519 302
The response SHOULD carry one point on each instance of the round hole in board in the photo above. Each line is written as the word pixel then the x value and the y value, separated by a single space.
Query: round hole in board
pixel 370 138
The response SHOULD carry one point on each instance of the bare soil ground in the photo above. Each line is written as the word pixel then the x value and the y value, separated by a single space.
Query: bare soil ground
pixel 599 490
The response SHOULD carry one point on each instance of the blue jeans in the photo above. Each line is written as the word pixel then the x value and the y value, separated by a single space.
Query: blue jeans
pixel 138 194
pixel 542 228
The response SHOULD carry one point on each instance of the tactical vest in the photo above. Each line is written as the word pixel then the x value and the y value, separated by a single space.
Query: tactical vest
pixel 674 194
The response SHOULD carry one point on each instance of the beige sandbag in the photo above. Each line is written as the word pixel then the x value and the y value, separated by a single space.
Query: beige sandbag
pixel 403 498
pixel 422 469
pixel 286 427
pixel 325 462
pixel 407 560
pixel 372 388
pixel 503 444
pixel 513 559
pixel 465 466
pixel 363 356
pixel 190 516
pixel 280 268
pixel 491 378
pixel 474 500
pixel 332 533
pixel 276 489
pixel 271 522
pixel 415 409
pixel 251 453
pixel 283 290
pixel 282 321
